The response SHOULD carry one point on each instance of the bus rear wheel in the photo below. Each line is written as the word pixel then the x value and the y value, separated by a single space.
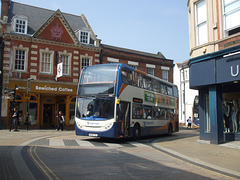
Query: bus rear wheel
pixel 170 129
pixel 136 132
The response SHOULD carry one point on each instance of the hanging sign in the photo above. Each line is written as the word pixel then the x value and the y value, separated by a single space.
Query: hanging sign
pixel 59 69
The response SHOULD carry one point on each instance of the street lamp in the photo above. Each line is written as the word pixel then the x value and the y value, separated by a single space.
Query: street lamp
pixel 28 91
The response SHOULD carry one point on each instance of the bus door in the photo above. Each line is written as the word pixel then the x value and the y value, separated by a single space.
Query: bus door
pixel 124 118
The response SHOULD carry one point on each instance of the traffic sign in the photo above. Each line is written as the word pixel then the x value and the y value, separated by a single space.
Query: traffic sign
pixel 9 91
pixel 7 97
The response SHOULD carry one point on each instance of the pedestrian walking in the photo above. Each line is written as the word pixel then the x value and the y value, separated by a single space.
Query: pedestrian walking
pixel 60 121
pixel 189 122
pixel 15 119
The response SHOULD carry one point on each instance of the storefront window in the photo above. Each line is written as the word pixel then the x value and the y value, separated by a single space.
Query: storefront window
pixel 231 115
pixel 32 111
pixel 72 113
pixel 62 107
pixel 207 115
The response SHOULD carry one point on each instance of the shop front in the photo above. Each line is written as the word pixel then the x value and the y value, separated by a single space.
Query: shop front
pixel 43 102
pixel 217 78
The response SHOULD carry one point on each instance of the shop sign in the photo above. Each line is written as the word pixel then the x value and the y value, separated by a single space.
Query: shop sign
pixel 227 69
pixel 53 88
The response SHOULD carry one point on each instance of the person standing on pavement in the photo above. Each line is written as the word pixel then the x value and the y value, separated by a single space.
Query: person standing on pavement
pixel 60 121
pixel 15 119
pixel 189 122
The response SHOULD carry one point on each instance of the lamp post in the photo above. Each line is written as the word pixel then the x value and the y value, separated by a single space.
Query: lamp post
pixel 1 75
pixel 28 91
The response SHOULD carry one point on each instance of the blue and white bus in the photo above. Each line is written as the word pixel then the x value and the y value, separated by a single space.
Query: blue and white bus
pixel 116 100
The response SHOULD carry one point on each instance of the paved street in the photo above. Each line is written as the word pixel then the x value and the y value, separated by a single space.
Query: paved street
pixel 49 154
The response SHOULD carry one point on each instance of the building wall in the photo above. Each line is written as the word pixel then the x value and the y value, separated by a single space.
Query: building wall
pixel 211 69
pixel 215 29
pixel 186 95
pixel 11 77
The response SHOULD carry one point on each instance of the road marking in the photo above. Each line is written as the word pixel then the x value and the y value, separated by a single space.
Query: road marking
pixel 113 145
pixel 84 143
pixel 137 144
pixel 56 142
pixel 46 170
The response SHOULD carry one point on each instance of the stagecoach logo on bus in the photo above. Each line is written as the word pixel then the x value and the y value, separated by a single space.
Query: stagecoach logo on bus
pixel 47 88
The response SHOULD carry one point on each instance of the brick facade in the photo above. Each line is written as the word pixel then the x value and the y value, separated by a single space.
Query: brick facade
pixel 126 55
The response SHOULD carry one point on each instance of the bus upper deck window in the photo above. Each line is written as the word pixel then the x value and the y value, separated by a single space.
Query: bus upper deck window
pixel 127 76
pixel 169 90
pixel 147 83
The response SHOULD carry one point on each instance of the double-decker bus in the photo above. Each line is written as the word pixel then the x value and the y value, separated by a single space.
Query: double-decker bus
pixel 116 100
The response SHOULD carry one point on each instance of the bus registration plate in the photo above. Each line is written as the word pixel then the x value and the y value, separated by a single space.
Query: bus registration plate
pixel 93 135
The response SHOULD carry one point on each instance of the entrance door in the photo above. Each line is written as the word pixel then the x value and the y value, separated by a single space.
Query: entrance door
pixel 48 115
pixel 124 117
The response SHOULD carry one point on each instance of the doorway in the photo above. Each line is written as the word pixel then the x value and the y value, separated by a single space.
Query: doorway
pixel 48 112
pixel 124 117
pixel 48 116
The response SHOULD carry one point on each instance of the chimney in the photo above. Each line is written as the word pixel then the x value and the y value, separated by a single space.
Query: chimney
pixel 5 7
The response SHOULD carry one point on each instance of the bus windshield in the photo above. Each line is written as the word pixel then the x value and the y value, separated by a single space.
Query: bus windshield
pixel 99 74
pixel 96 108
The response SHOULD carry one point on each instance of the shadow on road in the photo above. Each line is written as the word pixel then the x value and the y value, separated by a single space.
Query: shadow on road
pixel 183 133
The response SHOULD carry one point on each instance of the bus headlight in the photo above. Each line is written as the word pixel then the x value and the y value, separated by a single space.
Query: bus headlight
pixel 108 126
pixel 79 125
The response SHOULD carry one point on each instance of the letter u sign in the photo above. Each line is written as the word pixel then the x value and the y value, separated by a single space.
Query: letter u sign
pixel 236 72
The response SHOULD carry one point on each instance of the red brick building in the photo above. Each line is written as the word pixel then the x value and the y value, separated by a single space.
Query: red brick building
pixel 155 64
pixel 35 41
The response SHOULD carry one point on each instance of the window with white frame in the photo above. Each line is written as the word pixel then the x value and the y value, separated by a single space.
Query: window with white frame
pixel 20 24
pixel 150 71
pixel 186 75
pixel 135 67
pixel 20 60
pixel 133 64
pixel 150 68
pixel 165 70
pixel 201 23
pixel 46 61
pixel 65 58
pixel 83 36
pixel 85 61
pixel 231 16
pixel 165 74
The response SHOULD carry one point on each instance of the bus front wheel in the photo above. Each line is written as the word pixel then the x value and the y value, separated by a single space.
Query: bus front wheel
pixel 136 132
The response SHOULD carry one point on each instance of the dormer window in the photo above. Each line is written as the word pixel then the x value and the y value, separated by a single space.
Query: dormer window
pixel 20 24
pixel 83 36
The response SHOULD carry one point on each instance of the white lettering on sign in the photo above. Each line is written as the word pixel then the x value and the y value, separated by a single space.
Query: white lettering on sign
pixel 47 88
pixel 236 72
pixel 65 89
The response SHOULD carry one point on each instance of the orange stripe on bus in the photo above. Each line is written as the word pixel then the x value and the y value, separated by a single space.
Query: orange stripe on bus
pixel 141 72
pixel 122 88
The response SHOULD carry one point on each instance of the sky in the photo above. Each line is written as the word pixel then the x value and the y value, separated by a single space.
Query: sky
pixel 144 25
